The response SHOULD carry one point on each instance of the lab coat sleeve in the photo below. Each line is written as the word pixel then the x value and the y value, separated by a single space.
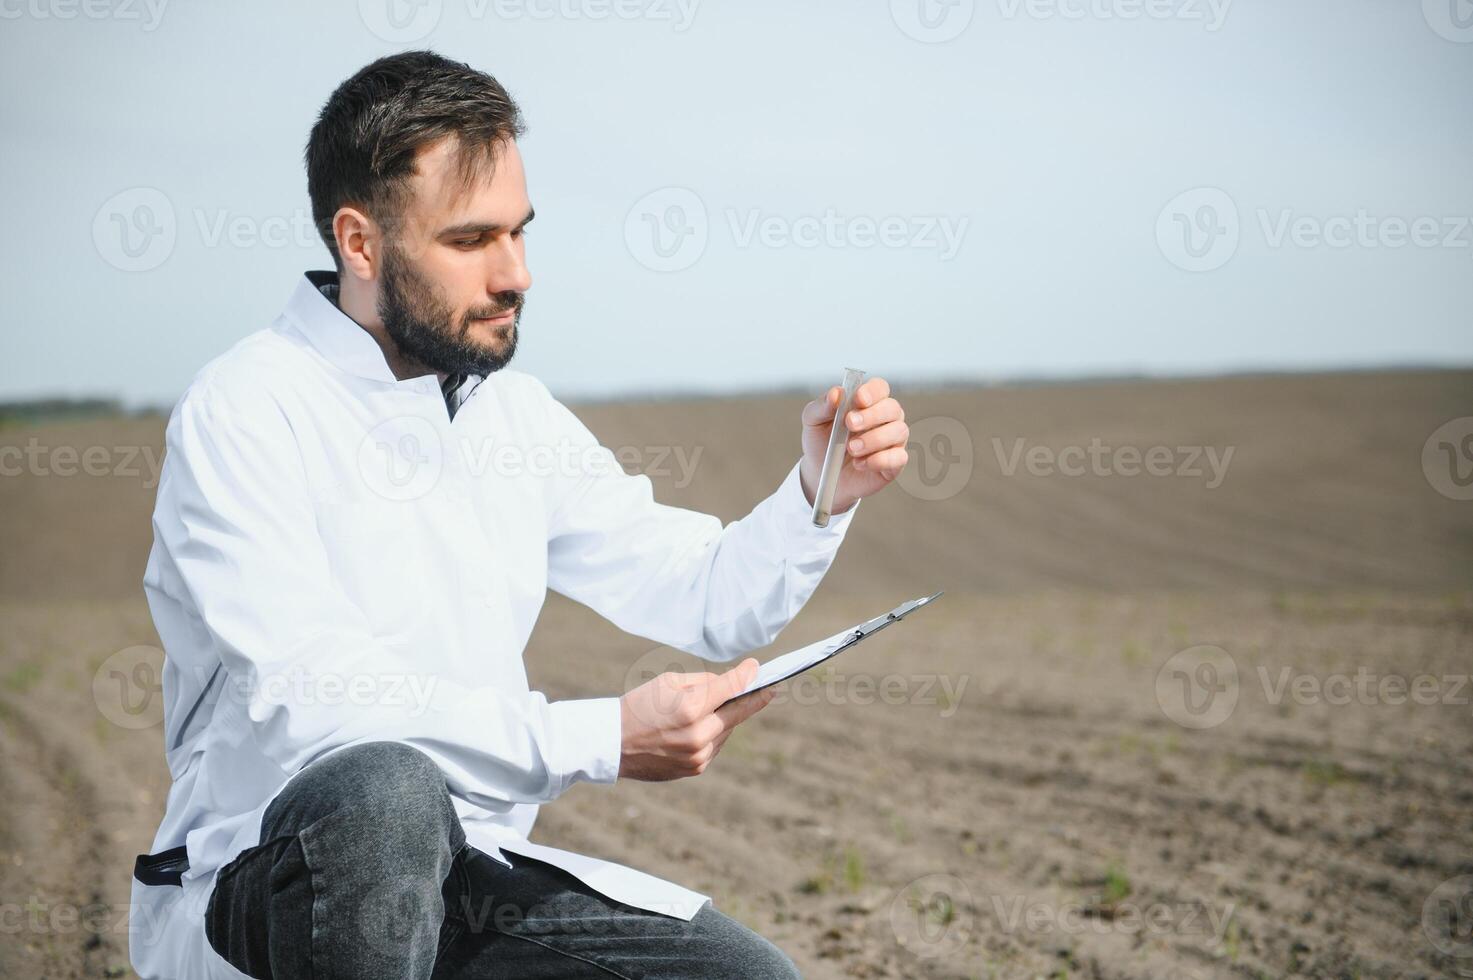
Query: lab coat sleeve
pixel 677 576
pixel 236 531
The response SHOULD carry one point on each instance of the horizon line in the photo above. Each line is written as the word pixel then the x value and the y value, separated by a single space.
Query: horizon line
pixel 911 383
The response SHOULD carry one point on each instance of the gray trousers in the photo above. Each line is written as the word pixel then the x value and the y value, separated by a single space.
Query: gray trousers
pixel 364 872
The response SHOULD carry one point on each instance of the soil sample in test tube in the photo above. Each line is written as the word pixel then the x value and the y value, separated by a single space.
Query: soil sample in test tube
pixel 833 460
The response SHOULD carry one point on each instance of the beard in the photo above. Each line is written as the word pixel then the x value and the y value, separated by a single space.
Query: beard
pixel 426 331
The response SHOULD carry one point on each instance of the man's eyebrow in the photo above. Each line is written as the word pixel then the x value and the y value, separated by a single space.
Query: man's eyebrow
pixel 482 227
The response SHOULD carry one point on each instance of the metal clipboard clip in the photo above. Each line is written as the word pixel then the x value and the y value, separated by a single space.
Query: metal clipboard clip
pixel 880 622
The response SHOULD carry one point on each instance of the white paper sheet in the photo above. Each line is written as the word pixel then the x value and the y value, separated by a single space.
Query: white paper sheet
pixel 799 660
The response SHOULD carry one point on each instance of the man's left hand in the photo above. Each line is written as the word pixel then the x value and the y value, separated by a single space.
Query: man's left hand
pixel 875 454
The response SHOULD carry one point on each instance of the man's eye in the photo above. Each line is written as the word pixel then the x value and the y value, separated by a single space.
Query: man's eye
pixel 519 233
pixel 466 242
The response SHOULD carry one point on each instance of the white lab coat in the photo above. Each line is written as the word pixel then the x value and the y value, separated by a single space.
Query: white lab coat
pixel 336 561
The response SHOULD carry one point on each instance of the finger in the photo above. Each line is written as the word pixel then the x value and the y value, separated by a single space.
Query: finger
pixel 735 712
pixel 883 437
pixel 888 462
pixel 728 685
pixel 820 410
pixel 872 392
pixel 888 410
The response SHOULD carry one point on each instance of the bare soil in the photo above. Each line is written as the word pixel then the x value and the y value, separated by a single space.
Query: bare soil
pixel 1001 786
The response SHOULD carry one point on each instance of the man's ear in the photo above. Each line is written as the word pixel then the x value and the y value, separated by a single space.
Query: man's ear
pixel 358 243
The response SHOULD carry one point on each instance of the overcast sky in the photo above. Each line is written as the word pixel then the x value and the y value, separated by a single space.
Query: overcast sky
pixel 737 195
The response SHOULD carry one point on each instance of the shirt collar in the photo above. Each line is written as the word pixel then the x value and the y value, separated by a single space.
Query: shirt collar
pixel 337 336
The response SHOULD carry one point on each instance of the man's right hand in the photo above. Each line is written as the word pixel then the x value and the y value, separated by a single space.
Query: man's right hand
pixel 674 725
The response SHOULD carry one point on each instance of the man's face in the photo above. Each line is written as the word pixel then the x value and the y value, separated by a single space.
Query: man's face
pixel 451 288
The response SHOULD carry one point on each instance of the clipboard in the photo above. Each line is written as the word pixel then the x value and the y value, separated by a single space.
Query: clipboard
pixel 791 664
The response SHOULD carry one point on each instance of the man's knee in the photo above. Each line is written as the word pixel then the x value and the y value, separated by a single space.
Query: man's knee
pixel 401 787
pixel 749 954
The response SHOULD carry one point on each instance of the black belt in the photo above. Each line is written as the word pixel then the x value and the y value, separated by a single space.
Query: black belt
pixel 163 868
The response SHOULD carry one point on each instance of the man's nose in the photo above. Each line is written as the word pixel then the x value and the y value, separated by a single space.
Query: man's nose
pixel 508 270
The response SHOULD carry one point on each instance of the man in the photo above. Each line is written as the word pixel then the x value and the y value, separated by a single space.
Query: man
pixel 360 512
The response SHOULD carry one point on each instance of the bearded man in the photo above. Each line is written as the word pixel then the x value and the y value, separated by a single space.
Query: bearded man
pixel 344 588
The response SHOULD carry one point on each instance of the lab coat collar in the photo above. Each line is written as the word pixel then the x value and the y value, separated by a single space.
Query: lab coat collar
pixel 337 336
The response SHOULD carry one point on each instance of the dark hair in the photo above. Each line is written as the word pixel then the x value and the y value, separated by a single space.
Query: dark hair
pixel 361 151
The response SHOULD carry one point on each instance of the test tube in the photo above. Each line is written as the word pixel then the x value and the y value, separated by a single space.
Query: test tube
pixel 833 460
